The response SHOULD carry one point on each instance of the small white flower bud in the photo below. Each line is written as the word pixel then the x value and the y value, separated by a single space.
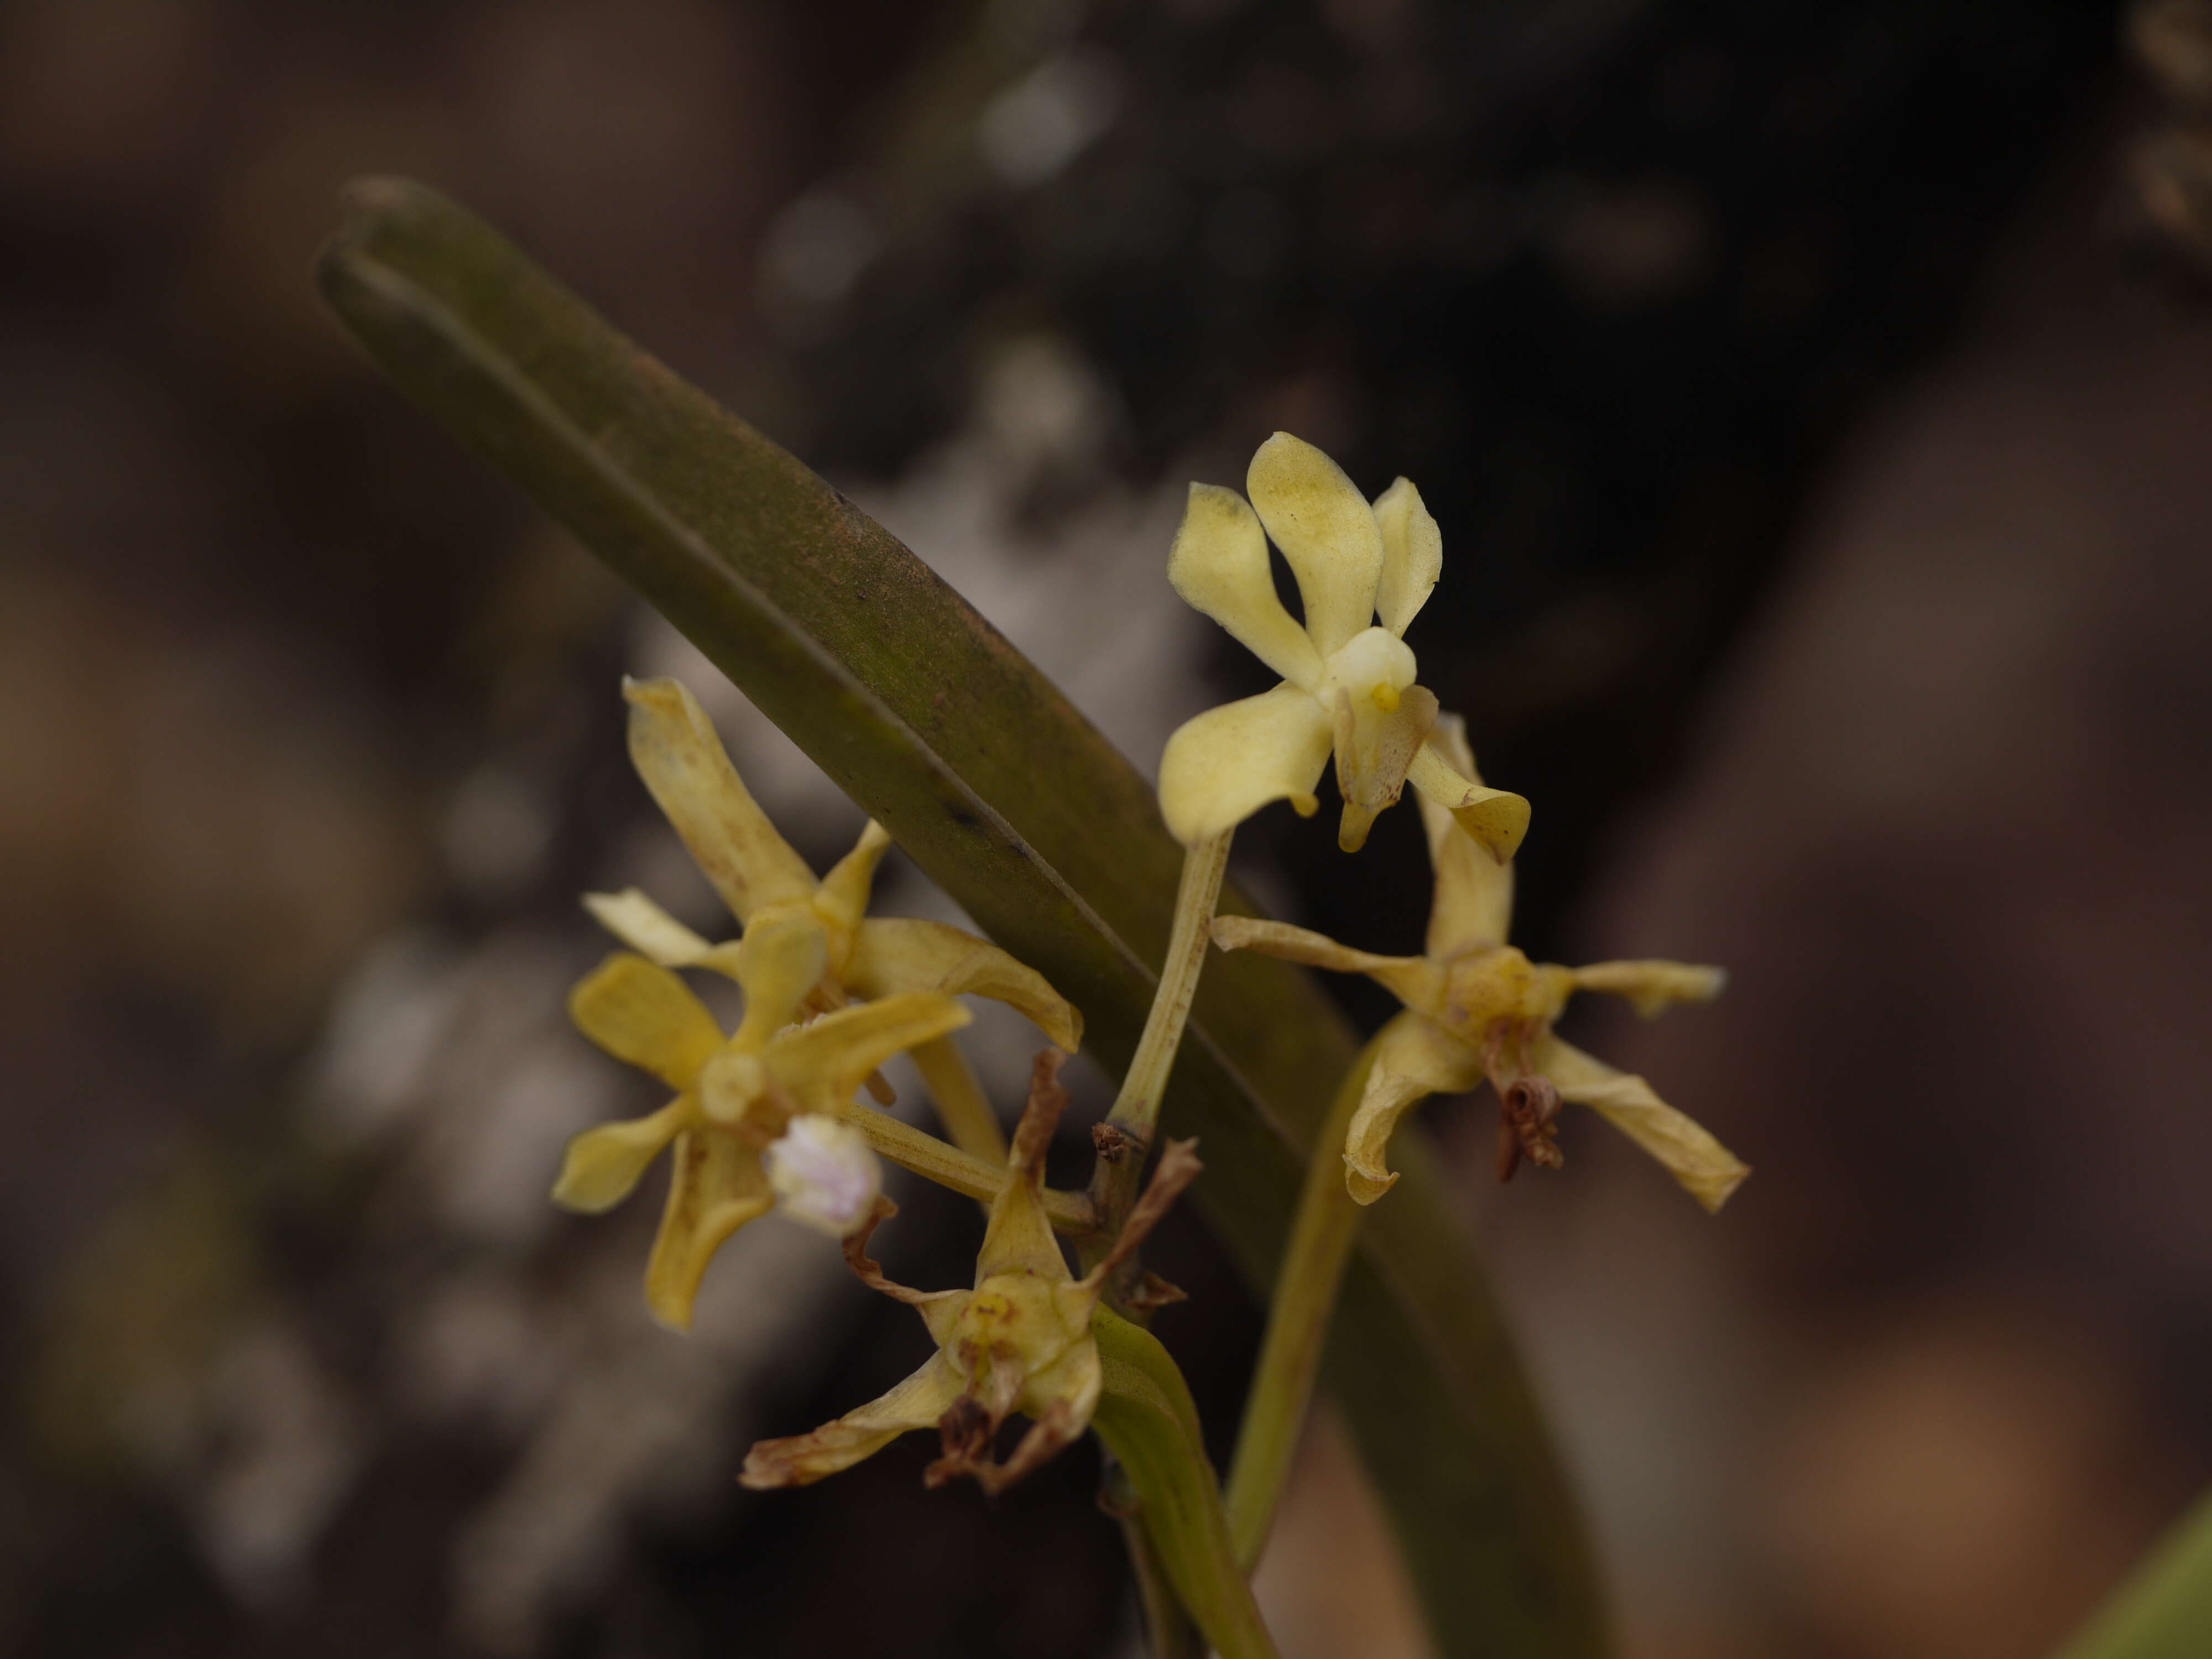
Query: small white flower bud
pixel 824 1174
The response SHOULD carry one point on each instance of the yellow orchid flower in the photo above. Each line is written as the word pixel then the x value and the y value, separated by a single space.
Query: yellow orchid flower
pixel 1476 1008
pixel 744 1122
pixel 1019 1341
pixel 683 764
pixel 1348 685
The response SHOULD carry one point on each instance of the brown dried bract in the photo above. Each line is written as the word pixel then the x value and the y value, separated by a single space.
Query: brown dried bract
pixel 1152 1291
pixel 1048 1100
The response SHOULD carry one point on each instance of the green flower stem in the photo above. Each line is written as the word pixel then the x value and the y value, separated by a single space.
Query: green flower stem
pixel 961 1106
pixel 963 1172
pixel 1136 1110
pixel 1148 1421
pixel 1322 1233
pixel 2164 1611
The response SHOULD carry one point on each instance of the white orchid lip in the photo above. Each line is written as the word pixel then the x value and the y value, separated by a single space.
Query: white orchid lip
pixel 824 1174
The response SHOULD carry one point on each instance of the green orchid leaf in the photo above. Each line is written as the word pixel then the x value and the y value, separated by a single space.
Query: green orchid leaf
pixel 2163 1610
pixel 1019 809
pixel 1149 1423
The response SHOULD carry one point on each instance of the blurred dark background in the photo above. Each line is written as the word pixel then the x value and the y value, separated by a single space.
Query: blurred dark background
pixel 1818 406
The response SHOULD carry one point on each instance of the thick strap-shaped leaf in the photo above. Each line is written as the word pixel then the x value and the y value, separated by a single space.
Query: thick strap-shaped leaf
pixel 2165 1608
pixel 1017 806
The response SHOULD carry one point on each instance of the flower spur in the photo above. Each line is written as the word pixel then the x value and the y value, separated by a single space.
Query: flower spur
pixel 1348 685
pixel 1477 1008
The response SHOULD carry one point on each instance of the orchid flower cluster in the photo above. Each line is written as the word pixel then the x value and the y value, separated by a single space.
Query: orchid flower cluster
pixel 768 1118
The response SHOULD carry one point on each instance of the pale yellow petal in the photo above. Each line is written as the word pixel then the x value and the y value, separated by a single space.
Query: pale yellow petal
pixel 603 1165
pixel 1059 1400
pixel 1415 1058
pixel 821 1063
pixel 1326 532
pixel 1472 903
pixel 674 748
pixel 1413 555
pixel 1707 1169
pixel 717 1187
pixel 797 1460
pixel 1495 818
pixel 1414 981
pixel 640 1013
pixel 651 931
pixel 1019 1238
pixel 1073 1381
pixel 893 955
pixel 1221 767
pixel 843 897
pixel 780 960
pixel 1652 985
pixel 1219 566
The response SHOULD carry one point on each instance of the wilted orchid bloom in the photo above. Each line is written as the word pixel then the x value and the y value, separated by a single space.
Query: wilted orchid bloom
pixel 1476 1008
pixel 1348 684
pixel 1019 1341
pixel 683 764
pixel 757 1094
